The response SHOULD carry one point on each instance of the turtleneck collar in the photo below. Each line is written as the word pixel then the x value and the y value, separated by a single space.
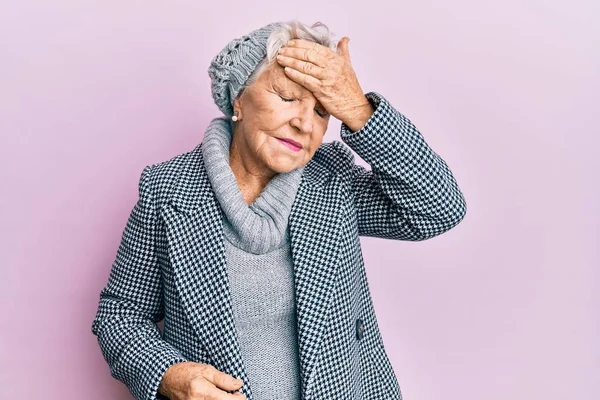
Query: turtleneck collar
pixel 262 226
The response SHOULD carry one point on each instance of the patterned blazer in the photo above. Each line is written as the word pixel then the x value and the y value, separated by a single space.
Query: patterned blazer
pixel 171 264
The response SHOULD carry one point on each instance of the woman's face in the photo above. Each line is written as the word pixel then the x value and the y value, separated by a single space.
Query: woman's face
pixel 275 107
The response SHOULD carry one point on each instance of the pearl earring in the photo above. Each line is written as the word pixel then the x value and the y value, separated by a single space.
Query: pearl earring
pixel 235 117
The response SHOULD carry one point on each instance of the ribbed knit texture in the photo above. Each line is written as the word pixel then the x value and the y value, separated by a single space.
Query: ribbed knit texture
pixel 259 268
pixel 230 69
pixel 259 227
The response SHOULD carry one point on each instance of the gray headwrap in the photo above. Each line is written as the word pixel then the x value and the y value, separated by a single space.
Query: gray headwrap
pixel 229 70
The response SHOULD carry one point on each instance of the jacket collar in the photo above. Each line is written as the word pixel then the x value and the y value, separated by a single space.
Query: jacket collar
pixel 193 219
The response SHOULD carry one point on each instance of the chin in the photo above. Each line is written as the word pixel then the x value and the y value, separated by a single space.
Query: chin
pixel 284 165
pixel 285 168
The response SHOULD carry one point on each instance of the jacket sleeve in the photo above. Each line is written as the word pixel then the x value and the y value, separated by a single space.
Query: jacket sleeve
pixel 132 302
pixel 409 193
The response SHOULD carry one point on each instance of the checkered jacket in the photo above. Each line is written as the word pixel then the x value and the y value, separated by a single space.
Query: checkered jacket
pixel 171 264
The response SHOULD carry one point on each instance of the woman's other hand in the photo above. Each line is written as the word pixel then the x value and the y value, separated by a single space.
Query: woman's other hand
pixel 330 77
pixel 195 381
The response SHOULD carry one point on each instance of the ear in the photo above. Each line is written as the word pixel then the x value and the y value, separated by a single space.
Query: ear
pixel 237 107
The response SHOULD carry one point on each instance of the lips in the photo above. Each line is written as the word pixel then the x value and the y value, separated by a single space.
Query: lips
pixel 293 142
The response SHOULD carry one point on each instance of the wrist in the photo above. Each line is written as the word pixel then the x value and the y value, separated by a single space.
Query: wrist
pixel 359 115
pixel 164 387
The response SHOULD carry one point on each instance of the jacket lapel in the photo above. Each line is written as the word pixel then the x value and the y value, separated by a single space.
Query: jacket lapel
pixel 315 221
pixel 193 220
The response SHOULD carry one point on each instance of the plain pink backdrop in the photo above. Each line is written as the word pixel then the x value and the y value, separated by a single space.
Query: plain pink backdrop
pixel 504 306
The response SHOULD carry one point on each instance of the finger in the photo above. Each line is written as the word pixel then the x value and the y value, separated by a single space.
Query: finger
pixel 310 82
pixel 344 49
pixel 305 54
pixel 302 66
pixel 221 379
pixel 307 44
pixel 214 393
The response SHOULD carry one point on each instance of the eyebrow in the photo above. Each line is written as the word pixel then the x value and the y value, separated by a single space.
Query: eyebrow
pixel 286 88
pixel 286 84
pixel 292 88
pixel 295 90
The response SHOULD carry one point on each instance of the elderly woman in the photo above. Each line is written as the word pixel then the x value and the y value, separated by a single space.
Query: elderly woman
pixel 248 245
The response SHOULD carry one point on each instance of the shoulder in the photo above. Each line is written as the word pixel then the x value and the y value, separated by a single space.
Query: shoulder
pixel 335 157
pixel 166 171
pixel 162 177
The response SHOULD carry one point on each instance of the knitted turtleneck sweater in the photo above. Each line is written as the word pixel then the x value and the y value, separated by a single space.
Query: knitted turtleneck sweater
pixel 260 269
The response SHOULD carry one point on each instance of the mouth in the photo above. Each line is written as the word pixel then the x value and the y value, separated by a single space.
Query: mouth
pixel 291 144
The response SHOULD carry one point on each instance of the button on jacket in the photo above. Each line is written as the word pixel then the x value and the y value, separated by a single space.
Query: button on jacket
pixel 171 264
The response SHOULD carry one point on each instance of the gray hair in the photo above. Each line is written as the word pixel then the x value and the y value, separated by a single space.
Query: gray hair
pixel 294 29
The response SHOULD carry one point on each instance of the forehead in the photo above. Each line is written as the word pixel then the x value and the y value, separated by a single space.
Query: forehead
pixel 275 77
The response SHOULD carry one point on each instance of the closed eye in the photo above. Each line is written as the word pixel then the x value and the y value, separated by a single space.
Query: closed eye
pixel 321 114
pixel 286 100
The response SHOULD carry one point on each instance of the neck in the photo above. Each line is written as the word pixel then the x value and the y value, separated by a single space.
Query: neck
pixel 258 227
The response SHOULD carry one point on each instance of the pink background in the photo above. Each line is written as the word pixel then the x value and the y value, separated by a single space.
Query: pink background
pixel 504 306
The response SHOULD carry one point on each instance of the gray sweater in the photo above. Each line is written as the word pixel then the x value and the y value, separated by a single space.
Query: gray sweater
pixel 260 270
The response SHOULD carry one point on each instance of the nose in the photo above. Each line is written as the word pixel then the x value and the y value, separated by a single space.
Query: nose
pixel 304 120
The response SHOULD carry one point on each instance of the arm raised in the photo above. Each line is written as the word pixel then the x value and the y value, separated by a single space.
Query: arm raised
pixel 409 193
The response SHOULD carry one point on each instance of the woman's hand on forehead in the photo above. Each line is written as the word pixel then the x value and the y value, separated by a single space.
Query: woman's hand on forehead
pixel 329 76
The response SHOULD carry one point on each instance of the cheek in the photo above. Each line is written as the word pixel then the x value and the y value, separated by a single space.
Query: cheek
pixel 261 110
pixel 315 141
